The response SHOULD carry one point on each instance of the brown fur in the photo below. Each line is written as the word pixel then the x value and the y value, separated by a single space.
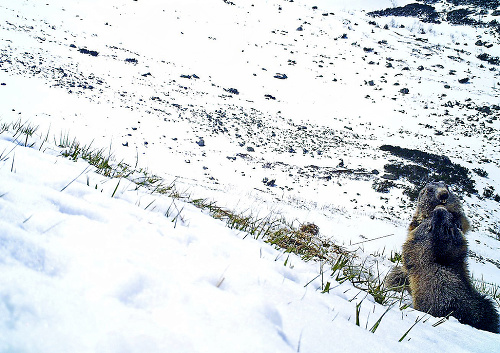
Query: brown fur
pixel 435 258
pixel 434 266
pixel 432 195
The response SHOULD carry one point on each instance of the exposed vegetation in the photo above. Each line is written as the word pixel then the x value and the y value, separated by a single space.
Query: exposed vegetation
pixel 425 167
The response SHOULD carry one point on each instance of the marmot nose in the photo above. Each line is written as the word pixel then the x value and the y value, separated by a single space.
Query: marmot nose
pixel 443 196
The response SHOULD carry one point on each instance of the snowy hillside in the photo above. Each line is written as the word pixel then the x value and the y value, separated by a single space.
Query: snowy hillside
pixel 332 112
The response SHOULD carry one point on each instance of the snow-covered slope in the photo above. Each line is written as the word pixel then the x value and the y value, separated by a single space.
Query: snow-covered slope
pixel 271 107
pixel 88 267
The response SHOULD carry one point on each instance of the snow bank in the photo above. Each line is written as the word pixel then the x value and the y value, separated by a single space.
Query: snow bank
pixel 83 271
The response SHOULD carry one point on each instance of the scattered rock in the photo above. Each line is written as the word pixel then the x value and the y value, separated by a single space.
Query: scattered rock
pixel 281 76
pixel 88 52
pixel 270 183
pixel 190 76
pixel 493 60
pixel 201 142
pixel 232 91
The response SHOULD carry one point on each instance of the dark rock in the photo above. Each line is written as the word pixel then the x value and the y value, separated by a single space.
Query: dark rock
pixel 270 183
pixel 281 76
pixel 201 142
pixel 88 52
pixel 389 176
pixel 232 91
pixel 383 186
pixel 493 60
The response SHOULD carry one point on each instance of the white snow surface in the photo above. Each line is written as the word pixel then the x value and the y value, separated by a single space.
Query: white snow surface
pixel 93 264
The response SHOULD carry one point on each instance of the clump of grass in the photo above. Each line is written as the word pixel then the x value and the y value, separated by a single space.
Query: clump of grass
pixel 396 257
pixel 74 150
pixel 366 277
pixel 257 227
pixel 490 289
pixel 104 163
pixel 21 131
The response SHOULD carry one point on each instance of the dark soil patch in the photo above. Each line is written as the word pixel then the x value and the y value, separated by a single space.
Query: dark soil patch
pixel 426 13
pixel 426 167
pixel 461 17
pixel 487 4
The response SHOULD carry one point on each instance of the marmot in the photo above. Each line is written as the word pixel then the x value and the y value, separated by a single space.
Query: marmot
pixel 434 257
pixel 432 195
pixel 434 262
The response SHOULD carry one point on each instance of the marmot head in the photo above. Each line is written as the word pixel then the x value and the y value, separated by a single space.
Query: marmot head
pixel 438 194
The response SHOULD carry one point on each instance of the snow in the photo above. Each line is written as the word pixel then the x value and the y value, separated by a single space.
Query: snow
pixel 96 264
pixel 87 272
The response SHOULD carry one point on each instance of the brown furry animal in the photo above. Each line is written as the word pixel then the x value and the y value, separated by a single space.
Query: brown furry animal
pixel 434 262
pixel 438 194
pixel 432 195
pixel 435 255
